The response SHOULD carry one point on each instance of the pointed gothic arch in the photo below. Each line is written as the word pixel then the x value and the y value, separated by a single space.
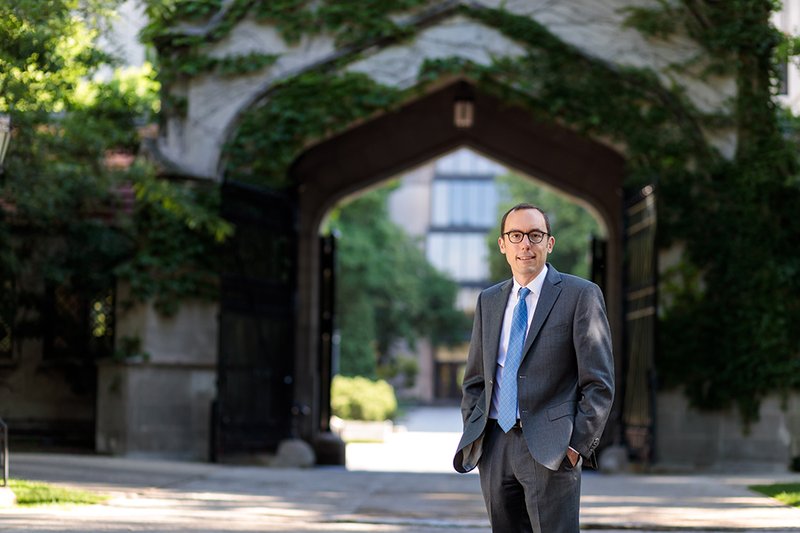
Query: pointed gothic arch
pixel 420 131
pixel 503 50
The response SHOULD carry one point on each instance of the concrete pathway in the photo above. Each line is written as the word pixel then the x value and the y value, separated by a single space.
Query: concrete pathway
pixel 177 497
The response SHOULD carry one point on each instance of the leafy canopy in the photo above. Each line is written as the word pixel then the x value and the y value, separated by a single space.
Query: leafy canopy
pixel 78 209
pixel 386 289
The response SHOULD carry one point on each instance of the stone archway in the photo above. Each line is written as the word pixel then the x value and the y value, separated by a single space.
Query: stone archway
pixel 535 52
pixel 420 131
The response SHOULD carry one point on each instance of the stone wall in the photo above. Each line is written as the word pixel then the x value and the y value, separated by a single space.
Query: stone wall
pixel 148 409
pixel 160 403
pixel 46 402
pixel 688 438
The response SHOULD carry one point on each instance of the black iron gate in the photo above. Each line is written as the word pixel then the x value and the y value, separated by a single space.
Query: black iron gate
pixel 328 344
pixel 638 408
pixel 255 371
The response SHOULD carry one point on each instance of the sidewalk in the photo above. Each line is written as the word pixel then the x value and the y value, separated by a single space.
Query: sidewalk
pixel 173 496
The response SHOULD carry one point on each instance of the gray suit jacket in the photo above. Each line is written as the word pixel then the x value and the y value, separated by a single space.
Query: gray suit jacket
pixel 565 381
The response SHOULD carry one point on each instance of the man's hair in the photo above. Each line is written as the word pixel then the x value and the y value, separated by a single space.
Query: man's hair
pixel 520 207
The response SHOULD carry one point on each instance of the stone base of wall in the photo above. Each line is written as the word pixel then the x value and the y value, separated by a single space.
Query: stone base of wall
pixel 146 409
pixel 690 439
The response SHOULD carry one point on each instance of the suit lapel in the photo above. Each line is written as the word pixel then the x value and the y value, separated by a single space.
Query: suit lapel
pixel 550 292
pixel 495 309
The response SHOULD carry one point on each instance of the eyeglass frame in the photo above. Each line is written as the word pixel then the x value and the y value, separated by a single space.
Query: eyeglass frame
pixel 528 234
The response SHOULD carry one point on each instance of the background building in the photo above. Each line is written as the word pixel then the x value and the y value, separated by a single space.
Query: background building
pixel 450 204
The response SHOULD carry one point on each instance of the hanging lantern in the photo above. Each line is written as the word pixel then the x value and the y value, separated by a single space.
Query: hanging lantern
pixel 463 107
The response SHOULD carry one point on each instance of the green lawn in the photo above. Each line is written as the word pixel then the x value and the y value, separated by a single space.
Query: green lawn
pixel 36 493
pixel 788 493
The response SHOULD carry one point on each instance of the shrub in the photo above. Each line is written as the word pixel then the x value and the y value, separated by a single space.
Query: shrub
pixel 401 371
pixel 358 398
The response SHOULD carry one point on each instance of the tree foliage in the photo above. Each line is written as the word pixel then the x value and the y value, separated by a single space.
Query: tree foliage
pixel 572 226
pixel 309 106
pixel 78 208
pixel 387 290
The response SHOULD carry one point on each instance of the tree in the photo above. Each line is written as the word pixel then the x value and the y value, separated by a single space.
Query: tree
pixel 387 290
pixel 572 226
pixel 66 217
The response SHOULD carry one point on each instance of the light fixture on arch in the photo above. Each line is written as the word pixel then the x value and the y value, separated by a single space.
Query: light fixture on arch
pixel 464 107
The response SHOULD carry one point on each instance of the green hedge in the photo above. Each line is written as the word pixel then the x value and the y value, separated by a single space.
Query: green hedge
pixel 358 398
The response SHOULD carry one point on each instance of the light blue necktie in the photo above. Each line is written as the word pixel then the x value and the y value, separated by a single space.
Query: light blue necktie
pixel 507 410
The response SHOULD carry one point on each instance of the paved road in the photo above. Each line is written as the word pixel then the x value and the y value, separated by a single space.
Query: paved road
pixel 162 496
pixel 424 441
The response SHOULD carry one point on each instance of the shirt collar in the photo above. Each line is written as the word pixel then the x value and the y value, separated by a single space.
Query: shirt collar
pixel 535 285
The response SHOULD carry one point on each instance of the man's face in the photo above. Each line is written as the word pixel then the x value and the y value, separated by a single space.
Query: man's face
pixel 526 260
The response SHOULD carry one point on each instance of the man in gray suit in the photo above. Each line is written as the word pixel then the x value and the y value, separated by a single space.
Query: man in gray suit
pixel 538 384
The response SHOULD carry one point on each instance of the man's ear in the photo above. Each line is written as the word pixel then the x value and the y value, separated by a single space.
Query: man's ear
pixel 502 245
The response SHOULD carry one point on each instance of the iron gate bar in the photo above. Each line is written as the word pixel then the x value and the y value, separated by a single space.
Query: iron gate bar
pixel 4 427
pixel 327 319
pixel 640 304
pixel 257 322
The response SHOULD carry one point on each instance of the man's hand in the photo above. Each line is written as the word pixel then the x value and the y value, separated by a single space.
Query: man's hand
pixel 573 457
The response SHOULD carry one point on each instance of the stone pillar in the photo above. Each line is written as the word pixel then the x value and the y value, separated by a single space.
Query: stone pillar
pixel 157 402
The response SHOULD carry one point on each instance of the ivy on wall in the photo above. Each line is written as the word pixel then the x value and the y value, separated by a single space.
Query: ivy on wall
pixel 176 231
pixel 729 336
pixel 726 334
pixel 307 107
pixel 351 22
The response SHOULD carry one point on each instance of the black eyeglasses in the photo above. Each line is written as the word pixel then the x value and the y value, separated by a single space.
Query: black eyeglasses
pixel 535 236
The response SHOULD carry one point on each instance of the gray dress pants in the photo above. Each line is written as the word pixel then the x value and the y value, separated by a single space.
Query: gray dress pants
pixel 520 494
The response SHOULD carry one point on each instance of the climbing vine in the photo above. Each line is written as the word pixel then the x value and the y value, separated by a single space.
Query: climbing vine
pixel 297 113
pixel 727 337
pixel 351 22
pixel 726 334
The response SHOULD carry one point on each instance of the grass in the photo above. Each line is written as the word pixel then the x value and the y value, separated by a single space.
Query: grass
pixel 788 493
pixel 36 493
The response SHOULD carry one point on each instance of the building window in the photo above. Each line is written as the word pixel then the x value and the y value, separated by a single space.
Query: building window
pixel 464 203
pixel 463 210
pixel 463 256
pixel 78 327
pixel 783 78
pixel 465 162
